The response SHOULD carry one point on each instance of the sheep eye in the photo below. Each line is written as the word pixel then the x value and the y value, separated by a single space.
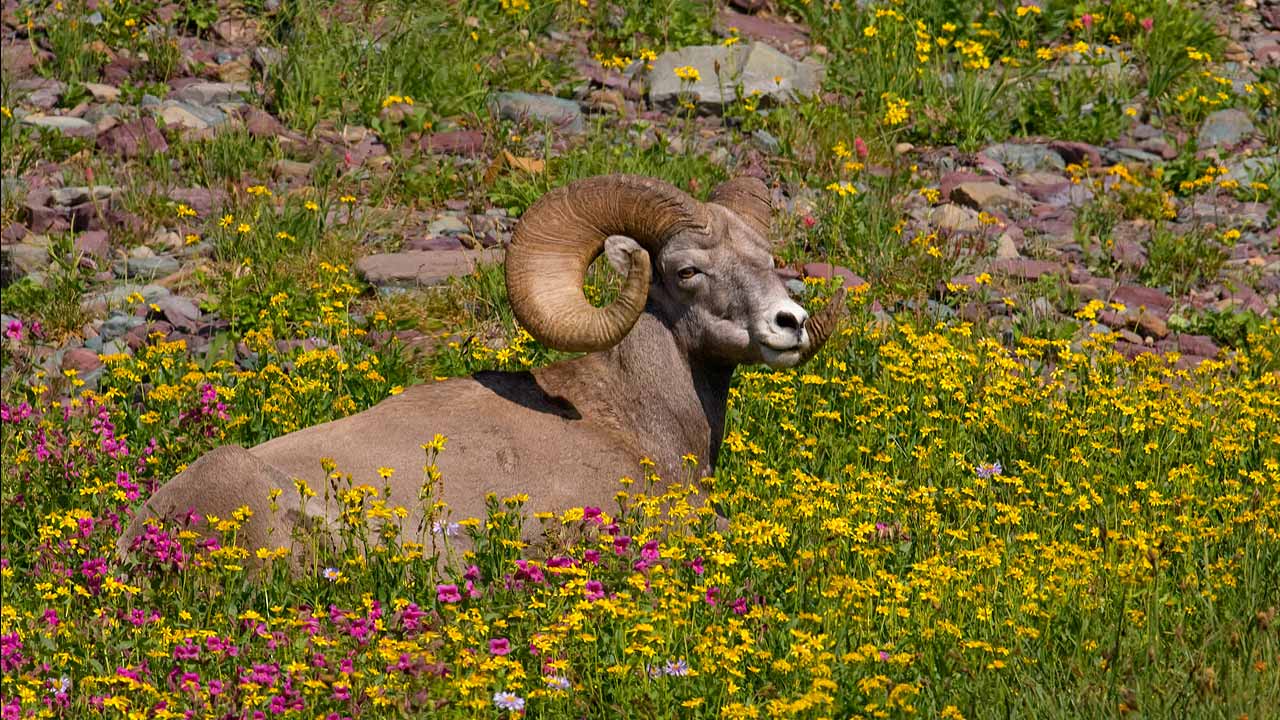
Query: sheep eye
pixel 687 272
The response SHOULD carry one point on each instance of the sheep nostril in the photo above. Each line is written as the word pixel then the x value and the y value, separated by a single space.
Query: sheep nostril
pixel 785 319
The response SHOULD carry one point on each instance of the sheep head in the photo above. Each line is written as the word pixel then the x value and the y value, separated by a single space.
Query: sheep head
pixel 706 269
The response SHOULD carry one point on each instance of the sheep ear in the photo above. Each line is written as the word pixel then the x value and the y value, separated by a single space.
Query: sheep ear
pixel 619 250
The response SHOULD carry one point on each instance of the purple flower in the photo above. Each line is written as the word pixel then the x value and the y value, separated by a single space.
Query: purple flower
pixel 448 594
pixel 508 701
pixel 499 646
pixel 986 471
pixel 595 590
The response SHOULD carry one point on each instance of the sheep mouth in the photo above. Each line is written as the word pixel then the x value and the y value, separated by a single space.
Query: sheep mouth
pixel 781 357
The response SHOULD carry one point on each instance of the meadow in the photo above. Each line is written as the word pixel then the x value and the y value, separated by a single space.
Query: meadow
pixel 1035 474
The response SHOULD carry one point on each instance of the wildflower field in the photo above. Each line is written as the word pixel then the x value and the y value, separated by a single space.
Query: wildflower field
pixel 1035 473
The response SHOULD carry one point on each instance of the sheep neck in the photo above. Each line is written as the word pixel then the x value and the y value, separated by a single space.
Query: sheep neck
pixel 659 400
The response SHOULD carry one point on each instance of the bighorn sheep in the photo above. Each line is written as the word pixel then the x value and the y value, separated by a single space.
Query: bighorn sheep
pixel 700 296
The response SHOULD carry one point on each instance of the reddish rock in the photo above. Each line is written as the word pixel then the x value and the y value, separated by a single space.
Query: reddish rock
pixel 202 200
pixel 261 124
pixel 1135 297
pixel 454 142
pixel 1201 345
pixel 774 31
pixel 93 243
pixel 828 271
pixel 1077 152
pixel 443 242
pixel 1132 350
pixel 1026 269
pixel 82 360
pixel 133 139
pixel 948 183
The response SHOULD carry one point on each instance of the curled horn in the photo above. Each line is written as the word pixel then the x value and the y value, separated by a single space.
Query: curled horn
pixel 564 231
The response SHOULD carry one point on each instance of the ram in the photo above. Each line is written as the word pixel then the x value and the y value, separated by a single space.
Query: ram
pixel 699 296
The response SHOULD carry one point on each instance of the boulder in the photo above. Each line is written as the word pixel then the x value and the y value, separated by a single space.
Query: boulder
pixel 419 268
pixel 519 106
pixel 757 67
pixel 1225 128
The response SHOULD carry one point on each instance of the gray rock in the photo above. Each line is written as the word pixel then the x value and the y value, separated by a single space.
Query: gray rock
pixel 70 126
pixel 117 324
pixel 179 311
pixel 1225 128
pixel 191 117
pixel 115 297
pixel 1005 247
pixel 421 268
pixel 211 93
pixel 1259 168
pixel 146 267
pixel 517 106
pixel 757 67
pixel 24 258
pixel 766 141
pixel 78 194
pixel 447 225
pixel 1025 158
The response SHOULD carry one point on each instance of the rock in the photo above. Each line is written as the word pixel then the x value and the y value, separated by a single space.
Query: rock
pixel 829 271
pixel 1201 345
pixel 115 297
pixel 93 243
pixel 103 93
pixel 1026 269
pixel 237 31
pixel 765 140
pixel 146 267
pixel 261 124
pixel 1136 297
pixel 1127 246
pixel 235 71
pixel 991 196
pixel 955 218
pixel 1046 187
pixel 1006 249
pixel 1253 169
pixel 454 142
pixel 78 195
pixel 444 242
pixel 117 325
pixel 179 311
pixel 133 139
pixel 24 258
pixel 419 268
pixel 202 200
pixel 757 67
pixel 520 106
pixel 266 58
pixel 1077 153
pixel 447 225
pixel 82 360
pixel 772 30
pixel 69 126
pixel 187 116
pixel 1225 128
pixel 1017 157
pixel 41 93
pixel 285 168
